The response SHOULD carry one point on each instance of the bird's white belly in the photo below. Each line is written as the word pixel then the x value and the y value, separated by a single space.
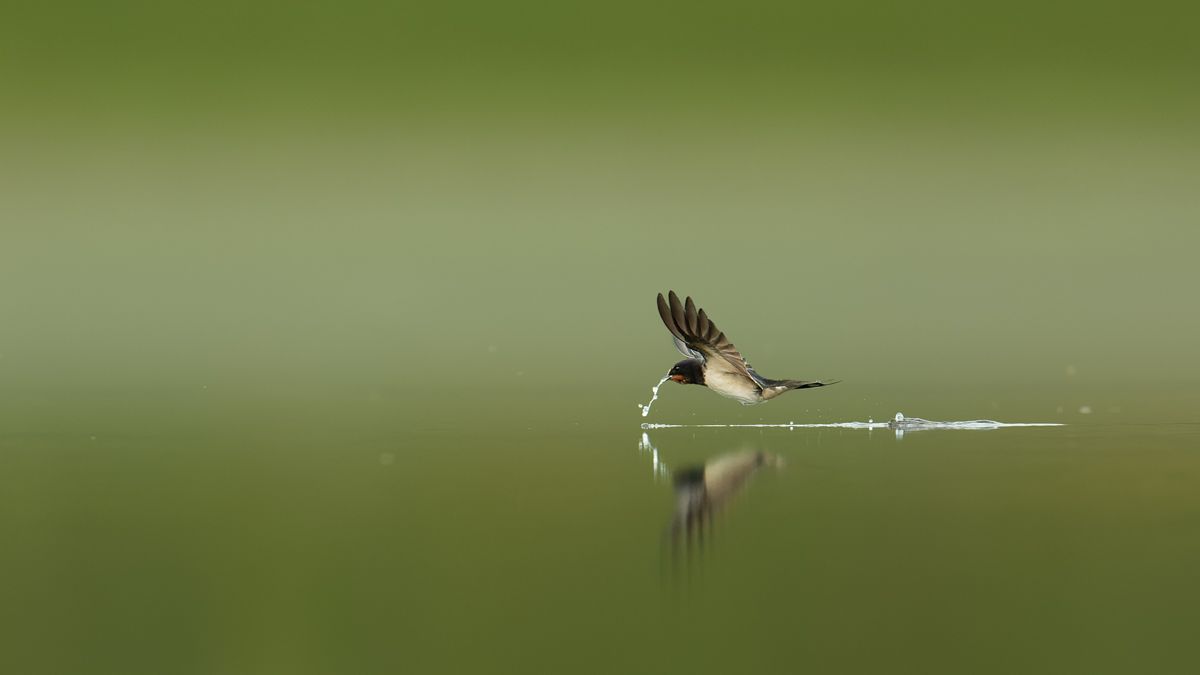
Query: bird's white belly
pixel 732 385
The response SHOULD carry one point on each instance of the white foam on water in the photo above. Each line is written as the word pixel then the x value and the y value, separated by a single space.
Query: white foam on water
pixel 654 390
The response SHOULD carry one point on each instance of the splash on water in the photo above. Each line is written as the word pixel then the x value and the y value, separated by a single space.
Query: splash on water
pixel 902 422
pixel 899 424
pixel 646 408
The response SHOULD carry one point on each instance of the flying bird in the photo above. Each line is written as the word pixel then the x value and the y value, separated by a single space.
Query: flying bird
pixel 713 361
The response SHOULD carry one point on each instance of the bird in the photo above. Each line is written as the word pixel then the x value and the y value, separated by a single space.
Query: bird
pixel 713 361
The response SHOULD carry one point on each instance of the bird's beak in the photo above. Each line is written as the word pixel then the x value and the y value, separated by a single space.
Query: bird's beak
pixel 677 378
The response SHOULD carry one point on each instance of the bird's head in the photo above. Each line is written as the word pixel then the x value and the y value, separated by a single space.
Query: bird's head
pixel 687 371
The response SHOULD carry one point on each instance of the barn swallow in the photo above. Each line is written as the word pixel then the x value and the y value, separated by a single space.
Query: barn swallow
pixel 713 361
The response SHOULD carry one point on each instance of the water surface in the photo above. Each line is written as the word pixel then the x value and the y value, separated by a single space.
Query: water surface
pixel 341 538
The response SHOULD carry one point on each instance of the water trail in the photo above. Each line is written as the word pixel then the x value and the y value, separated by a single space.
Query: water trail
pixel 646 408
pixel 899 424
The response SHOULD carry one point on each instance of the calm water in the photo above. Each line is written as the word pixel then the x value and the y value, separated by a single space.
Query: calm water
pixel 308 537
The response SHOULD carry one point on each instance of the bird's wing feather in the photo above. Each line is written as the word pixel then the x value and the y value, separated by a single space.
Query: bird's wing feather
pixel 698 334
pixel 762 381
pixel 686 350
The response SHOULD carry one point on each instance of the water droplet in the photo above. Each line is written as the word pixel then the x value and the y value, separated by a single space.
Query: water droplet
pixel 654 397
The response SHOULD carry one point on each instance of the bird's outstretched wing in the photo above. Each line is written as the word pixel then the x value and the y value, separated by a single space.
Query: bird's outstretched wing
pixel 686 350
pixel 698 337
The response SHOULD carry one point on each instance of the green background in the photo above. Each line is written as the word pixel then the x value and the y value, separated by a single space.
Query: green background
pixel 376 194
pixel 296 298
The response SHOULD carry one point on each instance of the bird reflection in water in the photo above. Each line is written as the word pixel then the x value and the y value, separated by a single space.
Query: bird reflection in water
pixel 704 491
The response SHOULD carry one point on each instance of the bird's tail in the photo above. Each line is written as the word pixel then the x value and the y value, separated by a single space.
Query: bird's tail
pixel 806 384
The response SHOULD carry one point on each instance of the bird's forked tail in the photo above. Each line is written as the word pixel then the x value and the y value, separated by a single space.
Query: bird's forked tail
pixel 804 384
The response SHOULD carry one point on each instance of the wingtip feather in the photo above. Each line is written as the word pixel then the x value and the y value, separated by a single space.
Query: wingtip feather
pixel 665 313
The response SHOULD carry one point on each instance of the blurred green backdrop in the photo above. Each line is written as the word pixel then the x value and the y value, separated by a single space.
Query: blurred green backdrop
pixel 254 254
pixel 430 200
